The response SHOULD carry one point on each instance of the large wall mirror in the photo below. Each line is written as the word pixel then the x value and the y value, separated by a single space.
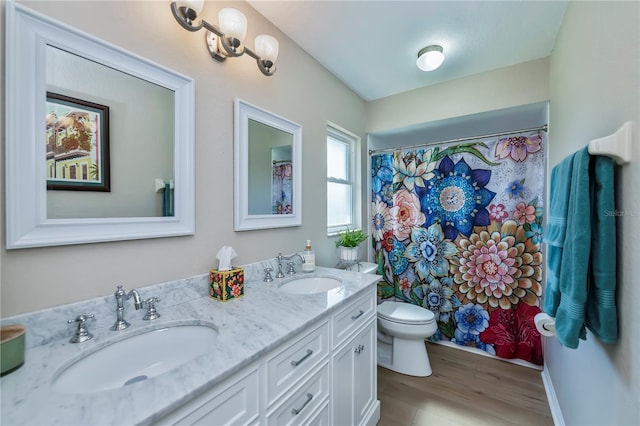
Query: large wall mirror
pixel 267 169
pixel 99 142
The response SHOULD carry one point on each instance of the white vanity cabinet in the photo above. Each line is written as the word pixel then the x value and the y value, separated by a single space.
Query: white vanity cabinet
pixel 325 375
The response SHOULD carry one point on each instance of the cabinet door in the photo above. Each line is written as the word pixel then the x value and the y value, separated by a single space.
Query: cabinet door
pixel 364 373
pixel 342 386
pixel 354 378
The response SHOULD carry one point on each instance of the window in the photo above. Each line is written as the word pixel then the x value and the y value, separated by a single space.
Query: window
pixel 342 188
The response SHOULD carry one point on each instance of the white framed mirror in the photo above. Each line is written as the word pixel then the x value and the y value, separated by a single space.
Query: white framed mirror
pixel 267 169
pixel 56 75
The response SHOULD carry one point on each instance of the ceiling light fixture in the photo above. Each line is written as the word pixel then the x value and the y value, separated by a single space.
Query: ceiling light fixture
pixel 227 40
pixel 430 58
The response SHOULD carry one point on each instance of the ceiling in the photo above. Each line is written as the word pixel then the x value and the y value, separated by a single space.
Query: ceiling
pixel 372 45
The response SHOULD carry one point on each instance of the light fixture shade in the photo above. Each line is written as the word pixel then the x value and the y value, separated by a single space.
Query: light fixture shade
pixel 430 58
pixel 267 47
pixel 233 23
pixel 195 5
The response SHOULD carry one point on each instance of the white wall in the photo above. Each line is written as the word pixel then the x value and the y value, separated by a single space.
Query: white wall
pixel 595 87
pixel 301 90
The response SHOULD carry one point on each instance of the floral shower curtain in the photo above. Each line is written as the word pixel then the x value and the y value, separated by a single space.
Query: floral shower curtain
pixel 281 188
pixel 458 230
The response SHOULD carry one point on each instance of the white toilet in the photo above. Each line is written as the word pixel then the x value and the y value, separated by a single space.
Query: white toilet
pixel 402 330
pixel 404 327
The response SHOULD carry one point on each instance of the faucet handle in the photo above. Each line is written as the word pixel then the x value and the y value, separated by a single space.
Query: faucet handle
pixel 151 312
pixel 267 275
pixel 82 334
pixel 81 318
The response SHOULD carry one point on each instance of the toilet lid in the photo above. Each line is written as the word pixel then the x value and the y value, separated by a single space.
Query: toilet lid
pixel 405 313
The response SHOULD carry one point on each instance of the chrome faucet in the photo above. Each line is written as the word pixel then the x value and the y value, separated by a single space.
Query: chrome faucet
pixel 291 270
pixel 121 296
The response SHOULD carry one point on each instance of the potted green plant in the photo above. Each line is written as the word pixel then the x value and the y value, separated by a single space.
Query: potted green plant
pixel 348 243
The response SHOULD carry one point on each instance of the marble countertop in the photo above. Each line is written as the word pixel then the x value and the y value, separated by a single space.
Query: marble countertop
pixel 249 327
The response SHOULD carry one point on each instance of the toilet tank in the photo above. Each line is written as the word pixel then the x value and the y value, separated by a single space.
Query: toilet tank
pixel 364 267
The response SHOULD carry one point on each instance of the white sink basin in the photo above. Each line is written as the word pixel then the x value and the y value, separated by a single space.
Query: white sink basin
pixel 136 358
pixel 310 284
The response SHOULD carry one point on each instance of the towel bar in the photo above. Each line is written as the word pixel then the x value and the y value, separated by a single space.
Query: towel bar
pixel 616 146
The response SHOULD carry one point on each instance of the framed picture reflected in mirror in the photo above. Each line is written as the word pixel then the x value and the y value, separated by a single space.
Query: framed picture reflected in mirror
pixel 77 140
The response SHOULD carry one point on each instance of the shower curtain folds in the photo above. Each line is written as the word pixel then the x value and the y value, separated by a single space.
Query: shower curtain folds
pixel 282 187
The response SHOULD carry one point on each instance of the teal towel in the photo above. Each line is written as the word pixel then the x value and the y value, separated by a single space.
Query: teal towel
pixel 572 274
pixel 602 316
pixel 556 230
pixel 580 236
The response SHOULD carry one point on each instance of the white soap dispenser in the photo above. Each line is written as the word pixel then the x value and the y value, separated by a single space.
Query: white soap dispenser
pixel 309 264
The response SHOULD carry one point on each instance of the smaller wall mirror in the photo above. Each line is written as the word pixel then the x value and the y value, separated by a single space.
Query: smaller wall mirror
pixel 267 169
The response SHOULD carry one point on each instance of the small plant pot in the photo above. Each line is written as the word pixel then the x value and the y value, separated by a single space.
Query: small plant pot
pixel 348 255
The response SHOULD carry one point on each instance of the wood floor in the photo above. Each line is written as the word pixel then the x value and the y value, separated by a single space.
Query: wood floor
pixel 464 389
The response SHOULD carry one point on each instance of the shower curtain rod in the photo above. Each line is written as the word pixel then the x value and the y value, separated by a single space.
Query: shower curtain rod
pixel 543 128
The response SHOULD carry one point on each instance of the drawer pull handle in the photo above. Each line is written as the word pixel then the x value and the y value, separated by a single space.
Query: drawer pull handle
pixel 295 412
pixel 298 362
pixel 355 317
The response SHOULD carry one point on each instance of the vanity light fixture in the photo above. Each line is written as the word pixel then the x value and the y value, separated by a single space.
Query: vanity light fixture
pixel 430 57
pixel 227 39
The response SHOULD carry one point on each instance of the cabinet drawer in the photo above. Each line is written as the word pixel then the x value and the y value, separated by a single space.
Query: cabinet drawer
pixel 352 317
pixel 300 406
pixel 321 418
pixel 235 402
pixel 289 365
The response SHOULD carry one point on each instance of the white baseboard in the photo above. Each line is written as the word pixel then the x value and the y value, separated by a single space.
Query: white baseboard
pixel 554 405
pixel 515 361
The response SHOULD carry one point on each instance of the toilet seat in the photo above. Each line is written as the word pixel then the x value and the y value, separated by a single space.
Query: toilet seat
pixel 405 313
